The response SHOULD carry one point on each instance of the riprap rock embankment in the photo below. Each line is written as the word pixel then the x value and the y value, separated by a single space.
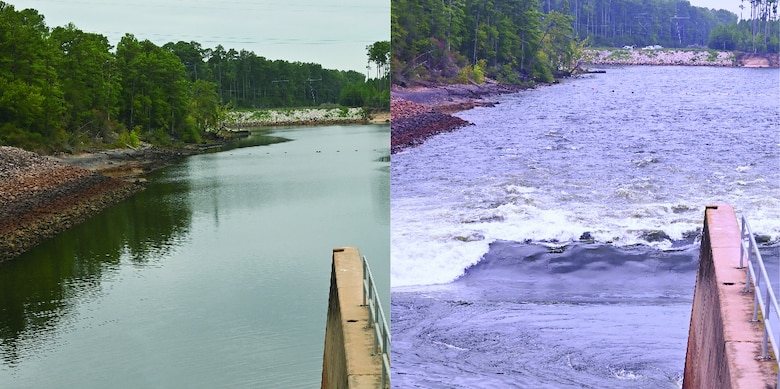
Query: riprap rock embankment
pixel 40 197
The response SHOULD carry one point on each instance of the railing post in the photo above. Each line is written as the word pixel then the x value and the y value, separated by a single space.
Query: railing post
pixel 377 322
pixel 365 276
pixel 755 305
pixel 763 297
pixel 756 277
pixel 742 245
pixel 764 344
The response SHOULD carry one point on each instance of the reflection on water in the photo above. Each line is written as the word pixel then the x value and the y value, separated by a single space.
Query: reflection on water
pixel 39 287
pixel 216 276
pixel 257 137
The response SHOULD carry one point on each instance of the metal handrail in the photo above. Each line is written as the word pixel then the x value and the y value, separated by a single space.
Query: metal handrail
pixel 377 322
pixel 764 297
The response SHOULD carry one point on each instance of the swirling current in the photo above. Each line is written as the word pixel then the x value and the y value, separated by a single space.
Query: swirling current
pixel 554 243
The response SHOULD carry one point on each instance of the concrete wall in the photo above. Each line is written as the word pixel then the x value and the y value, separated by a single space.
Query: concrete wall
pixel 348 361
pixel 723 345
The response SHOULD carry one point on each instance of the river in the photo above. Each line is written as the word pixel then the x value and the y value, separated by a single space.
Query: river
pixel 216 276
pixel 554 243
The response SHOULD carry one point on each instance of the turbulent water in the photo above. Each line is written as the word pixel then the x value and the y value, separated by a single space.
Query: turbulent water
pixel 554 242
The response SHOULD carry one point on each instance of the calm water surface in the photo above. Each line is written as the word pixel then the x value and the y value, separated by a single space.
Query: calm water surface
pixel 554 243
pixel 216 276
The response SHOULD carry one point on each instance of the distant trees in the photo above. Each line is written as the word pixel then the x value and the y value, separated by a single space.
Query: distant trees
pixel 63 88
pixel 763 21
pixel 447 39
pixel 379 54
pixel 244 80
pixel 760 33
pixel 527 40
pixel 373 93
pixel 615 23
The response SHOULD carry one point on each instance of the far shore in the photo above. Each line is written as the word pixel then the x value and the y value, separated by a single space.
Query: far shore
pixel 132 164
pixel 240 120
pixel 42 196
pixel 679 57
pixel 423 110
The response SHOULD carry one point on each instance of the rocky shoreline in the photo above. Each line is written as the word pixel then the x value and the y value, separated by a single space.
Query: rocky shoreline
pixel 678 57
pixel 41 197
pixel 421 112
pixel 238 123
pixel 659 57
pixel 129 164
pixel 296 117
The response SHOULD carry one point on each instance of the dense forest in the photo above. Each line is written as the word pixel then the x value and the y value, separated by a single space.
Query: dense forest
pixel 62 88
pixel 512 40
pixel 758 31
pixel 673 23
pixel 617 23
pixel 534 40
pixel 250 81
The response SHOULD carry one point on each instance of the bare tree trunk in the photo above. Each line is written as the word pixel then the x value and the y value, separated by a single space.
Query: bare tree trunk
pixel 476 30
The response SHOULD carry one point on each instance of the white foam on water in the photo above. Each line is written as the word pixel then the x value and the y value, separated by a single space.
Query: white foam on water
pixel 430 246
pixel 544 180
pixel 623 374
pixel 433 243
pixel 450 346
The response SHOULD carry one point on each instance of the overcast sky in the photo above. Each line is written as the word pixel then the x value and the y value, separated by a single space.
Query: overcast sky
pixel 728 5
pixel 333 33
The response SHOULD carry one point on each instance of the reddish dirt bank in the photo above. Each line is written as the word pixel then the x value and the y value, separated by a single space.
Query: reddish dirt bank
pixel 424 111
pixel 758 60
pixel 40 197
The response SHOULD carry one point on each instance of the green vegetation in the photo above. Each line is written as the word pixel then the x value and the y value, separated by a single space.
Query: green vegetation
pixel 639 23
pixel 460 40
pixel 522 41
pixel 245 80
pixel 672 23
pixel 619 54
pixel 64 89
pixel 757 35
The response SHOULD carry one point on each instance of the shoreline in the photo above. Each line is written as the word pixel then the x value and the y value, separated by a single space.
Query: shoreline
pixel 238 121
pixel 422 111
pixel 678 57
pixel 42 197
pixel 128 164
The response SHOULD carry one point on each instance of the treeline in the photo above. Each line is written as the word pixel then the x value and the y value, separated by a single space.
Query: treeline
pixel 760 33
pixel 534 40
pixel 245 80
pixel 511 40
pixel 62 88
pixel 617 23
